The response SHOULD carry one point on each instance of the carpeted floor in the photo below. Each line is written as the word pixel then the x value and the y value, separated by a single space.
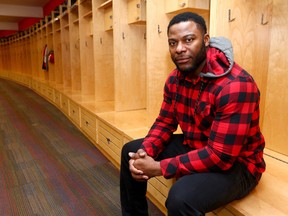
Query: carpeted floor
pixel 47 167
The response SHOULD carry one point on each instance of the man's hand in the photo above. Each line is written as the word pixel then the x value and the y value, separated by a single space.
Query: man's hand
pixel 137 174
pixel 142 166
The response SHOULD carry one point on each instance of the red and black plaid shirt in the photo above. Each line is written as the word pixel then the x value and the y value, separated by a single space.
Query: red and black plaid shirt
pixel 220 121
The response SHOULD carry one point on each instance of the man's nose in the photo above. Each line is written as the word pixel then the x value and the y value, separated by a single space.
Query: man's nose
pixel 180 47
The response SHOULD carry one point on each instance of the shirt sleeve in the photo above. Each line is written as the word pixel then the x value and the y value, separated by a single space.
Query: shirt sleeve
pixel 164 126
pixel 235 106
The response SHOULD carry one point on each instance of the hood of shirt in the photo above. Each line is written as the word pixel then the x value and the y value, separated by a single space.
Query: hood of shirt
pixel 220 58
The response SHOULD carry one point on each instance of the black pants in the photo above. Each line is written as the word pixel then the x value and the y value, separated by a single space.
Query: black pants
pixel 191 195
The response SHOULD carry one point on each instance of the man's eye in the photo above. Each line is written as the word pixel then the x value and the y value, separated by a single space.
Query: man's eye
pixel 189 40
pixel 172 43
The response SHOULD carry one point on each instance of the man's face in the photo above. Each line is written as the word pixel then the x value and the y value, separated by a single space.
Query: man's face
pixel 187 47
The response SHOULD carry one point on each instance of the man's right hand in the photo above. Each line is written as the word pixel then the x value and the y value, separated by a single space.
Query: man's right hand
pixel 136 173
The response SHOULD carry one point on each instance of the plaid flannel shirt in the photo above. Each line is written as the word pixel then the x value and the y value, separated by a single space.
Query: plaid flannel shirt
pixel 220 121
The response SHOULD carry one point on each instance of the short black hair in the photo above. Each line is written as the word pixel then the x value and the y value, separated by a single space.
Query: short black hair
pixel 188 16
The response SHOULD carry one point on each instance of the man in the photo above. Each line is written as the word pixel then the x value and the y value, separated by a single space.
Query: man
pixel 219 156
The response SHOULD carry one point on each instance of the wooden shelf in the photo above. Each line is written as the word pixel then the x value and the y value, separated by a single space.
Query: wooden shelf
pixel 105 5
pixel 74 7
pixel 177 6
pixel 76 21
pixel 137 12
pixel 64 15
pixel 88 14
pixel 83 1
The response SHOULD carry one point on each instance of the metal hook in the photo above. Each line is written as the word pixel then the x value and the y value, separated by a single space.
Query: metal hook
pixel 229 16
pixel 159 30
pixel 182 4
pixel 262 20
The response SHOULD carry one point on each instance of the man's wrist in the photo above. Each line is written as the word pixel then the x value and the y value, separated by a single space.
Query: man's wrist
pixel 158 170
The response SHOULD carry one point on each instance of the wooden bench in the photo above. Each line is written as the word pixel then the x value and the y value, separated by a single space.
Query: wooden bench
pixel 270 197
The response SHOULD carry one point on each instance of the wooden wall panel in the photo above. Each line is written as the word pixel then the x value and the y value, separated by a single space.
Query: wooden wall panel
pixel 258 32
pixel 103 55
pixel 276 114
pixel 159 63
pixel 250 38
pixel 129 60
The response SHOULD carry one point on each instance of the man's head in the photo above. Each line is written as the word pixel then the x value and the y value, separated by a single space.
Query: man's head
pixel 188 39
pixel 188 16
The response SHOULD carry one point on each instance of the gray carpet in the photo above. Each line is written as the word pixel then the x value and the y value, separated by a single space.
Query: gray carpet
pixel 47 166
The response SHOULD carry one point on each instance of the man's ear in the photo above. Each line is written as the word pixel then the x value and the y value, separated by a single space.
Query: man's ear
pixel 206 39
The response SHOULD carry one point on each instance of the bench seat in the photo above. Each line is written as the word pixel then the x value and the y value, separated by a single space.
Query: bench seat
pixel 270 197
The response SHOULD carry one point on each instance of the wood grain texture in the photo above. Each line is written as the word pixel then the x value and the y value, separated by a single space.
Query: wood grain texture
pixel 276 115
pixel 258 38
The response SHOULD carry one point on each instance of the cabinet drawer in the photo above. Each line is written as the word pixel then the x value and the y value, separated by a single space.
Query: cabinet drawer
pixel 110 148
pixel 126 140
pixel 64 104
pixel 154 192
pixel 34 85
pixel 158 190
pixel 49 93
pixel 28 81
pixel 88 123
pixel 110 140
pixel 57 98
pixel 74 112
pixel 162 184
pixel 111 134
pixel 38 88
pixel 43 90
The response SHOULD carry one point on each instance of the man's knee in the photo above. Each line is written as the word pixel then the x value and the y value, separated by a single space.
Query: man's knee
pixel 174 202
pixel 181 201
pixel 131 146
pixel 176 205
